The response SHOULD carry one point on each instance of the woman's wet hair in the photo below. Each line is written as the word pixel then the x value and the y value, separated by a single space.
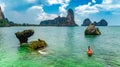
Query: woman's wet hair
pixel 88 46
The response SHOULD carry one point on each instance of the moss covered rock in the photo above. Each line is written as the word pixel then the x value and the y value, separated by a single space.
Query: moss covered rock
pixel 37 45
pixel 91 30
pixel 24 35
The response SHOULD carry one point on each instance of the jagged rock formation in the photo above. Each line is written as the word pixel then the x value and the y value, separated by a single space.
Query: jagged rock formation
pixel 24 35
pixel 86 22
pixel 91 30
pixel 70 18
pixel 61 21
pixel 102 22
pixel 37 45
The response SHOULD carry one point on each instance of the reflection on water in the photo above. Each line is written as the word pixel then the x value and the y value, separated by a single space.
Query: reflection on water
pixel 70 40
pixel 66 48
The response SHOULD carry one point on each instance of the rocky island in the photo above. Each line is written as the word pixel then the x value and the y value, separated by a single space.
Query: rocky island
pixel 102 22
pixel 92 30
pixel 61 21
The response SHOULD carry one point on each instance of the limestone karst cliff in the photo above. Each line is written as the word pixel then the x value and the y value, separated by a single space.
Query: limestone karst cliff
pixel 61 21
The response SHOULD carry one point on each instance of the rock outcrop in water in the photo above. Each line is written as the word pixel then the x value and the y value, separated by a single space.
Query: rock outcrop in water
pixel 91 30
pixel 24 35
pixel 33 45
pixel 61 21
pixel 102 22
pixel 37 45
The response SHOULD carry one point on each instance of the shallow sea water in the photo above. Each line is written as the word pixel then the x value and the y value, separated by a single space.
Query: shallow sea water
pixel 66 48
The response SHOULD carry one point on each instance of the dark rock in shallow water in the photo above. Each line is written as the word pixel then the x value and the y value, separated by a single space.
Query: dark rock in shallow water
pixel 91 30
pixel 24 35
pixel 37 45
pixel 61 21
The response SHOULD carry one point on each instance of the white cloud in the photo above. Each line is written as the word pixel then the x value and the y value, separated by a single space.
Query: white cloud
pixel 106 5
pixel 89 10
pixel 2 6
pixel 62 8
pixel 41 15
pixel 45 16
pixel 33 15
pixel 107 1
pixel 86 9
pixel 51 2
pixel 37 7
pixel 31 1
pixel 110 4
pixel 93 1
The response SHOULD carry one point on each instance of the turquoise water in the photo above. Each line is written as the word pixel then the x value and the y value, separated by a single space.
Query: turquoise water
pixel 66 48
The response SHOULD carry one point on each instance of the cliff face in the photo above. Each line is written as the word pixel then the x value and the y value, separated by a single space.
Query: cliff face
pixel 70 17
pixel 1 14
pixel 102 22
pixel 61 21
pixel 3 21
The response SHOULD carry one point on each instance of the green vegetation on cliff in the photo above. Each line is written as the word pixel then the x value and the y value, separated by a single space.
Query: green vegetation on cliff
pixel 4 22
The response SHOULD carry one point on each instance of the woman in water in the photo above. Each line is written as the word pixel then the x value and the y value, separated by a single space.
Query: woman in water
pixel 89 51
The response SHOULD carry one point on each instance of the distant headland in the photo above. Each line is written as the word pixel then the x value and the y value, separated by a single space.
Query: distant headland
pixel 102 22
pixel 61 21
pixel 58 21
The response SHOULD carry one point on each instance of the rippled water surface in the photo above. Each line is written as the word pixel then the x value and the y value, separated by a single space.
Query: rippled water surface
pixel 66 48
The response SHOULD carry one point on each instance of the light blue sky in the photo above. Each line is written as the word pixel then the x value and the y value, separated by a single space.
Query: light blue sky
pixel 34 11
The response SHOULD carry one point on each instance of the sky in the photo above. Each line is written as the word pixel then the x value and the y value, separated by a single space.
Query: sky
pixel 35 11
